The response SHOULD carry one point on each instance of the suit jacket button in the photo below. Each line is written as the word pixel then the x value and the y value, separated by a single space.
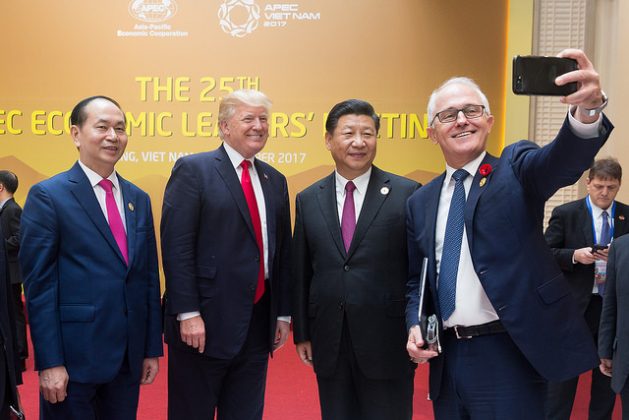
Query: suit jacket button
pixel 257 258
pixel 252 288
pixel 346 268
pixel 341 305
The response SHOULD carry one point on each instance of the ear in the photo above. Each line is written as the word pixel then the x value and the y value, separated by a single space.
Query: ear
pixel 328 141
pixel 432 135
pixel 490 122
pixel 224 128
pixel 74 132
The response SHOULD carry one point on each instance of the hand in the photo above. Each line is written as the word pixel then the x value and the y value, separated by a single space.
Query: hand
pixel 589 93
pixel 53 383
pixel 414 346
pixel 304 351
pixel 193 332
pixel 606 367
pixel 281 334
pixel 601 254
pixel 150 367
pixel 584 256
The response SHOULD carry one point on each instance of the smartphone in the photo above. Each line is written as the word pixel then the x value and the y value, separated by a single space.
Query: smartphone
pixel 599 247
pixel 535 75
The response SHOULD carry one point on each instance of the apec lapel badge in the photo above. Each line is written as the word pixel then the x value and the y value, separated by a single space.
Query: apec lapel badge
pixel 484 170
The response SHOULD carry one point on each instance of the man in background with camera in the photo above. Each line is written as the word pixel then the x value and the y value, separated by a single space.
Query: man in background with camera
pixel 579 234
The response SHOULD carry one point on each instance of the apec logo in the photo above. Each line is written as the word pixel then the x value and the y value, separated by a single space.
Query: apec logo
pixel 232 12
pixel 240 18
pixel 152 10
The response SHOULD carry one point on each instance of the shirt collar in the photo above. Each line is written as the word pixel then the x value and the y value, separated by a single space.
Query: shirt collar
pixel 470 167
pixel 94 178
pixel 597 211
pixel 361 182
pixel 235 157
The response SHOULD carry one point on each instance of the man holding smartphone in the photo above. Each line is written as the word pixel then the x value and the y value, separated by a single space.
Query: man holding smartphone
pixel 579 234
pixel 510 323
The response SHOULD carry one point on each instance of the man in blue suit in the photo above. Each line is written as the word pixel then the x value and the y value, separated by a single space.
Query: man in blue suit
pixel 510 321
pixel 225 243
pixel 89 261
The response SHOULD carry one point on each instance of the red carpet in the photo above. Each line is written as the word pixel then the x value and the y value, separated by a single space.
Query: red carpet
pixel 291 392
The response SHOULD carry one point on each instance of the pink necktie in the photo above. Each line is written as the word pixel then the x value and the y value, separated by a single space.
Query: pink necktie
pixel 115 221
pixel 250 196
pixel 348 219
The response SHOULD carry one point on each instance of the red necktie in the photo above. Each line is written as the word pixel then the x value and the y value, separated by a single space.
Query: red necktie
pixel 115 221
pixel 250 196
pixel 348 219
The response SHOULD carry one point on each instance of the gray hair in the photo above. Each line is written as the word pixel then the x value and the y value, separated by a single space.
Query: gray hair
pixel 466 81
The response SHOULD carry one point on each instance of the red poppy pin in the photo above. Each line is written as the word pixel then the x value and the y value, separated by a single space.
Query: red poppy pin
pixel 484 170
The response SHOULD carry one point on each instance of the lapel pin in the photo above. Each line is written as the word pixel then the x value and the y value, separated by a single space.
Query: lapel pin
pixel 483 181
pixel 131 206
pixel 621 217
pixel 265 176
pixel 384 190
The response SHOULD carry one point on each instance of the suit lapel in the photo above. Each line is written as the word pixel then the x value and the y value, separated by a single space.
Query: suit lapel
pixel 327 203
pixel 84 194
pixel 129 200
pixel 433 192
pixel 475 192
pixel 377 192
pixel 230 177
pixel 620 220
pixel 585 220
pixel 269 205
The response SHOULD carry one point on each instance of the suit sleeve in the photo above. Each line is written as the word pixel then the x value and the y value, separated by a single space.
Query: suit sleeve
pixel 179 225
pixel 153 347
pixel 39 261
pixel 555 238
pixel 607 326
pixel 285 254
pixel 301 275
pixel 542 171
pixel 13 239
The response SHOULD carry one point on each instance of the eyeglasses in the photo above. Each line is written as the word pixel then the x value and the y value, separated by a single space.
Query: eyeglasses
pixel 451 114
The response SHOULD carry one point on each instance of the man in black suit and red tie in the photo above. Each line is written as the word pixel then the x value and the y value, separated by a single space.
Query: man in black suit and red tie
pixel 349 277
pixel 572 231
pixel 225 246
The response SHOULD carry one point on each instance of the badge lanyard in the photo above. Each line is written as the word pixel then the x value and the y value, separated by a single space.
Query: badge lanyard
pixel 611 222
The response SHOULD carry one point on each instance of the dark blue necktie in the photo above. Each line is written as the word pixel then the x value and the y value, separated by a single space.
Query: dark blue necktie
pixel 605 236
pixel 452 247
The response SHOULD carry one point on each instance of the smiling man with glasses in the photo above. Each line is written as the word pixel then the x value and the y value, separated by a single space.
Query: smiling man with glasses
pixel 509 320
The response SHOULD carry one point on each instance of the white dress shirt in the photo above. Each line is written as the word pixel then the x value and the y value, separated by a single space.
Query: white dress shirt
pixel 472 304
pixel 94 179
pixel 361 182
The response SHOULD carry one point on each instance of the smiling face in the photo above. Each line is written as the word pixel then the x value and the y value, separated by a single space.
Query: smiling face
pixel 464 139
pixel 101 138
pixel 353 144
pixel 247 129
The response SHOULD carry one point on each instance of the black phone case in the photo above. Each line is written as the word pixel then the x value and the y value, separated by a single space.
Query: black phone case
pixel 535 75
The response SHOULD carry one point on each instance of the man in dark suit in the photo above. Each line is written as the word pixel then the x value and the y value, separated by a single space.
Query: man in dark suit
pixel 572 231
pixel 89 261
pixel 225 246
pixel 349 276
pixel 10 374
pixel 510 320
pixel 10 214
pixel 613 335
